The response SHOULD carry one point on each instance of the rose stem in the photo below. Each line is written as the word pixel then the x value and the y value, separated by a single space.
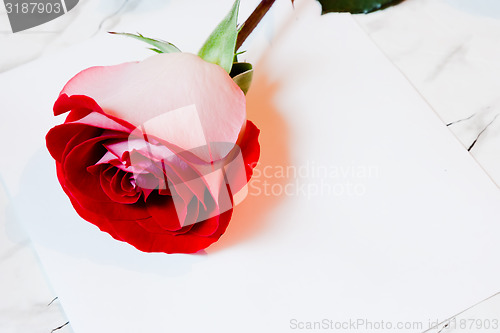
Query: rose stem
pixel 252 21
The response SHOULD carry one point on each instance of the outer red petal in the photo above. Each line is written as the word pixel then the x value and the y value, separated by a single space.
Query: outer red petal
pixel 250 148
pixel 150 226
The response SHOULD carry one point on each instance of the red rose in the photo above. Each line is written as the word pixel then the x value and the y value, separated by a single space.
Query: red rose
pixel 155 153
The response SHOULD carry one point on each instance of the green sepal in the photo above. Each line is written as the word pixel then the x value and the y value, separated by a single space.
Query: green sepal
pixel 355 6
pixel 160 46
pixel 242 74
pixel 220 46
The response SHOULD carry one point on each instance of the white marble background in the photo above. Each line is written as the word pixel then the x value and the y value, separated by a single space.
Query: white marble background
pixel 448 49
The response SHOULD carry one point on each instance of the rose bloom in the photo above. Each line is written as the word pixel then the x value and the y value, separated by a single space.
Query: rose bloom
pixel 155 153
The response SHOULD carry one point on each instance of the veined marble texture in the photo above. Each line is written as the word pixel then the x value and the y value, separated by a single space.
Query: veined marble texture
pixel 27 304
pixel 448 49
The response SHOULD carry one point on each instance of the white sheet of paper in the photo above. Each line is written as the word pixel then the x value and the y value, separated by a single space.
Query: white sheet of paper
pixel 386 217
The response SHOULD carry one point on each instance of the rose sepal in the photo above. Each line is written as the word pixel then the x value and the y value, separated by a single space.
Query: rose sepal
pixel 220 46
pixel 242 74
pixel 160 46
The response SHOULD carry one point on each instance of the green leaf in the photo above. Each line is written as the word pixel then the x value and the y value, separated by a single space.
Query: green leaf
pixel 355 6
pixel 220 45
pixel 242 74
pixel 160 45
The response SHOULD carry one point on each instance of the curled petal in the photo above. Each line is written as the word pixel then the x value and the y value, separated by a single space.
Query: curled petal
pixel 215 103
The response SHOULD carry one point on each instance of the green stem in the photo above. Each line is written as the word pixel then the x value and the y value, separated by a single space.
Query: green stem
pixel 252 21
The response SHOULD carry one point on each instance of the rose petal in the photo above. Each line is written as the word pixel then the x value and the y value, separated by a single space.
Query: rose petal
pixel 102 121
pixel 190 82
pixel 163 211
pixel 59 137
pixel 250 147
pixel 112 186
pixel 99 212
pixel 168 243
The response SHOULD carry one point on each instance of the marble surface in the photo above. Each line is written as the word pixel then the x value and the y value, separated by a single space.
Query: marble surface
pixel 448 49
pixel 27 304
